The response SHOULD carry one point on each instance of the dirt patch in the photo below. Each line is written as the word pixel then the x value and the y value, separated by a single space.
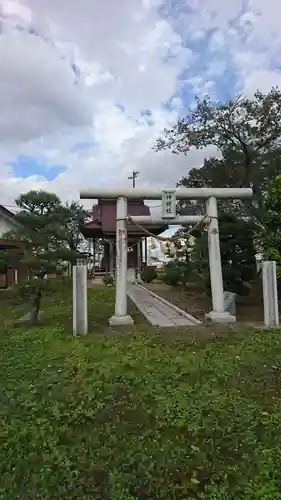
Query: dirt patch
pixel 191 299
pixel 196 302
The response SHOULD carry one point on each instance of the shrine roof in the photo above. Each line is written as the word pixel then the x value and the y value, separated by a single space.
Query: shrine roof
pixel 104 219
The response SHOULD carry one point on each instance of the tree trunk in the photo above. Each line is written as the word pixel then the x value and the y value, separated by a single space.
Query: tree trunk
pixel 34 315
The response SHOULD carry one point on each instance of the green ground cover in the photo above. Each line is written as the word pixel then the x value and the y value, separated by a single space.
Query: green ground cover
pixel 135 414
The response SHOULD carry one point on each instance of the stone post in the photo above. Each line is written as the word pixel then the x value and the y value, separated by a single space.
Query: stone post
pixel 121 317
pixel 218 314
pixel 80 300
pixel 270 295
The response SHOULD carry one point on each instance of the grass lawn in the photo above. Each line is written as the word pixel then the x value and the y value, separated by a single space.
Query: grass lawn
pixel 138 414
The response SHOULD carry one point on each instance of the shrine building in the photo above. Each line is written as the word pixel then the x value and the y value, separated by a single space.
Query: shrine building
pixel 102 229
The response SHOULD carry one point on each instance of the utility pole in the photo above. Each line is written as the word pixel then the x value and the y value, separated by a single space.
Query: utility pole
pixel 133 177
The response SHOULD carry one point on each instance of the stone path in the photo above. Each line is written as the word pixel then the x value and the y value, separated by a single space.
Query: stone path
pixel 156 311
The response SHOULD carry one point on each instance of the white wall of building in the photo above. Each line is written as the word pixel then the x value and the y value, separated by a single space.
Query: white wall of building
pixel 7 222
pixel 5 225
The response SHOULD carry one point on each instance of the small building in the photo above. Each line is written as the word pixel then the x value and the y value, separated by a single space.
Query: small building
pixel 102 228
pixel 13 272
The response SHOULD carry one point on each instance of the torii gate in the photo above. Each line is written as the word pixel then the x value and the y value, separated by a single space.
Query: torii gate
pixel 169 198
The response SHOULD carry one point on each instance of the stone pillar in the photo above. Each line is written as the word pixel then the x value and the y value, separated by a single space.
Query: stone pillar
pixel 80 300
pixel 270 295
pixel 121 317
pixel 218 314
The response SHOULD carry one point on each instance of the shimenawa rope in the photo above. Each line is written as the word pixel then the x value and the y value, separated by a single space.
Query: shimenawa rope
pixel 171 239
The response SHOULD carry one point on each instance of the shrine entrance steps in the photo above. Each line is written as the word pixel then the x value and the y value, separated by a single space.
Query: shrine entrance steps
pixel 158 311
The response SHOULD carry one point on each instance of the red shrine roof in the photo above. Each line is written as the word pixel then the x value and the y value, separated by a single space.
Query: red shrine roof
pixel 104 219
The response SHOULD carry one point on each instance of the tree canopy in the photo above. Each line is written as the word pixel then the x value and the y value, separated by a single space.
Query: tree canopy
pixel 250 127
pixel 270 237
pixel 51 231
pixel 246 135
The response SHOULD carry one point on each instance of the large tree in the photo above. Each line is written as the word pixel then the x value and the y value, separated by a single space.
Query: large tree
pixel 246 133
pixel 51 232
pixel 73 216
pixel 237 254
pixel 270 238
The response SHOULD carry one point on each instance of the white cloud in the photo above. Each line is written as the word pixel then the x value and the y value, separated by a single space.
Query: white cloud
pixel 37 95
pixel 91 69
pixel 247 36
pixel 13 11
pixel 266 79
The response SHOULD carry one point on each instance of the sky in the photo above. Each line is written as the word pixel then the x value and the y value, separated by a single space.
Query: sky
pixel 87 87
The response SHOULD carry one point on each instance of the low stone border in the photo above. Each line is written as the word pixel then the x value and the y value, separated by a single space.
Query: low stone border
pixel 26 316
pixel 176 308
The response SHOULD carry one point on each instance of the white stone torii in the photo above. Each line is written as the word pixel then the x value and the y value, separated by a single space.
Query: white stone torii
pixel 218 314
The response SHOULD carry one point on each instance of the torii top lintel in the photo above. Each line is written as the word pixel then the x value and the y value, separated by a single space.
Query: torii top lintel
pixel 156 194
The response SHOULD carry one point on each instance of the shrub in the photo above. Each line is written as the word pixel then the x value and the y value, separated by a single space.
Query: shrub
pixel 31 292
pixel 172 274
pixel 187 272
pixel 57 285
pixel 177 273
pixel 161 275
pixel 149 274
pixel 108 279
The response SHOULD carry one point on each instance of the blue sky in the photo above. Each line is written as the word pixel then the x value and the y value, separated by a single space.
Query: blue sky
pixel 78 113
pixel 27 166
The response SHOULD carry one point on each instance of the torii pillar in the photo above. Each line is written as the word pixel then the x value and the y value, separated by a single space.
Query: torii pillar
pixel 121 317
